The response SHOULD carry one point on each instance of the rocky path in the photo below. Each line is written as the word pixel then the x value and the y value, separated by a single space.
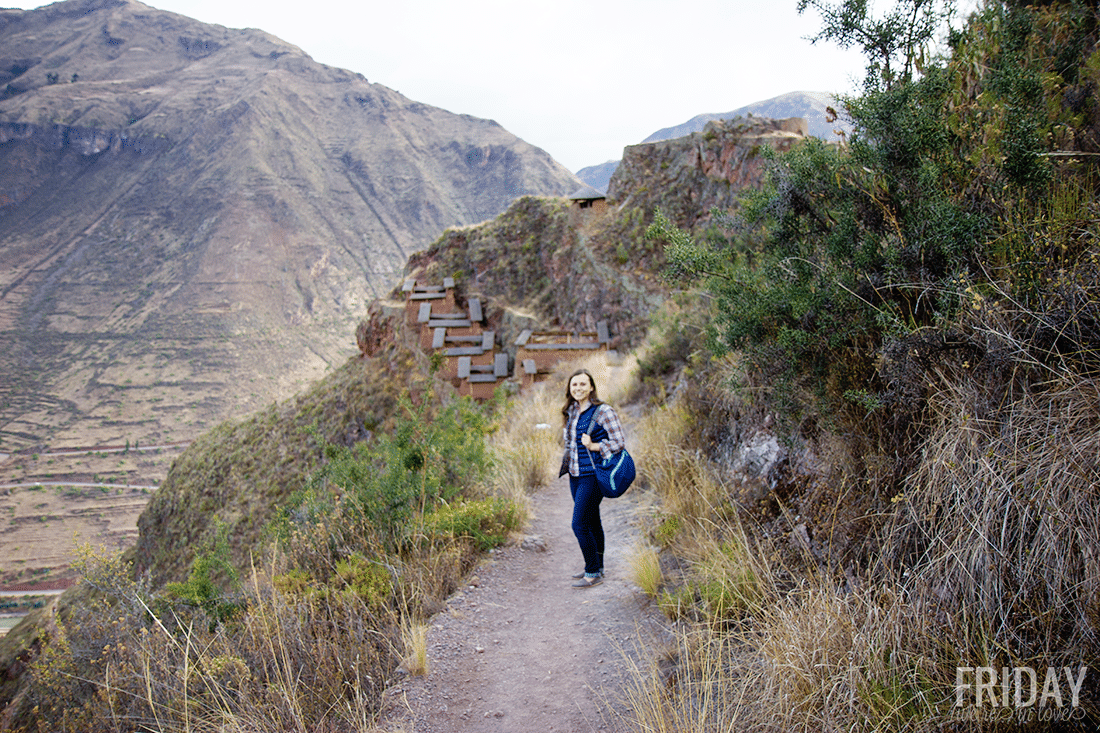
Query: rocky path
pixel 518 649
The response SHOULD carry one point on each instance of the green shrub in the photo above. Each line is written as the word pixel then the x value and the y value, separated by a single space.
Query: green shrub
pixel 370 580
pixel 213 585
pixel 486 522
pixel 368 494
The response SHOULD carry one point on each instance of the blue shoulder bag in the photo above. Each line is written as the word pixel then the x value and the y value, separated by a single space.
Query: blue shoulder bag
pixel 614 474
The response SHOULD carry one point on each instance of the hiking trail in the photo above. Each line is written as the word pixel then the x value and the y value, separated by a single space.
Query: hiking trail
pixel 518 649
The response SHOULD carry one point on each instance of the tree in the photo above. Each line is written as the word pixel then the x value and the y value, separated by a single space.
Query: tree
pixel 903 37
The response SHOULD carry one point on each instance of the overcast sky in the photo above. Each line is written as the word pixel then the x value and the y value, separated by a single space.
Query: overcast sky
pixel 579 79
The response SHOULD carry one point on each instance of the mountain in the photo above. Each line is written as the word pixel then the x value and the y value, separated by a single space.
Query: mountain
pixel 598 176
pixel 812 106
pixel 194 218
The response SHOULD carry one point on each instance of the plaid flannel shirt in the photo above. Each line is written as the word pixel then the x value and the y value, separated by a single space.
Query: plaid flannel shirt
pixel 606 418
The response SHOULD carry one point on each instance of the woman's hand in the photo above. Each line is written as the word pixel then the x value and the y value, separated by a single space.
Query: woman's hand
pixel 586 441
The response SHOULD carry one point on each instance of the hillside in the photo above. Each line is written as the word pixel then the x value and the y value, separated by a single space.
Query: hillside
pixel 561 266
pixel 194 218
pixel 869 445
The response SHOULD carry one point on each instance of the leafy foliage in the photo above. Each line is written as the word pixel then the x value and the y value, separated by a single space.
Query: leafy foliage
pixel 900 37
pixel 378 487
pixel 212 584
pixel 850 248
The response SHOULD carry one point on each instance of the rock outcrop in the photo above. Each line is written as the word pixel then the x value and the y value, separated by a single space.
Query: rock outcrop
pixel 688 176
pixel 569 270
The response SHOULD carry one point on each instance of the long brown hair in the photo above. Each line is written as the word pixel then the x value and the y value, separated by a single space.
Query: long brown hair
pixel 593 398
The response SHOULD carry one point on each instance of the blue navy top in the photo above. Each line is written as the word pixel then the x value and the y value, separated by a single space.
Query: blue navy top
pixel 607 431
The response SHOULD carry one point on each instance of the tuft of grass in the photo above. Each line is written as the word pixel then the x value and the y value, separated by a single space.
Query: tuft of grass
pixel 414 635
pixel 645 569
pixel 690 688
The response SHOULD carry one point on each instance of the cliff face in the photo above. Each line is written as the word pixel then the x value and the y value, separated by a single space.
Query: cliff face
pixel 688 176
pixel 194 218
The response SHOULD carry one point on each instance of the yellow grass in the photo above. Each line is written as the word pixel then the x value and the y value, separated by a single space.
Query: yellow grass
pixel 645 569
pixel 415 637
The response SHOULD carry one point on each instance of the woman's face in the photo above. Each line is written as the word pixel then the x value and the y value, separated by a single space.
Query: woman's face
pixel 580 387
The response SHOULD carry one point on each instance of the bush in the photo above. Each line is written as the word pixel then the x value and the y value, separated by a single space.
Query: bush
pixel 486 523
pixel 367 495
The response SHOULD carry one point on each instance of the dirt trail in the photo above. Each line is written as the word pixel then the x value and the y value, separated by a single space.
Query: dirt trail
pixel 520 650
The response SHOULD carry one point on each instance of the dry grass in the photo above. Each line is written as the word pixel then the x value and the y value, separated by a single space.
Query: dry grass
pixel 858 661
pixel 691 688
pixel 1002 520
pixel 812 660
pixel 684 481
pixel 415 638
pixel 289 662
pixel 645 569
pixel 526 447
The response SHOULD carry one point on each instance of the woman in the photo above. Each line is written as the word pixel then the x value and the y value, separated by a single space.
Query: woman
pixel 591 431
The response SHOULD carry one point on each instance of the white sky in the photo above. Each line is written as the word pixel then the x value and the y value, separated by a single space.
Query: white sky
pixel 579 79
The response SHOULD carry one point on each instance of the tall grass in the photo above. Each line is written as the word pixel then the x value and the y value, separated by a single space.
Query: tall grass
pixel 682 478
pixel 415 638
pixel 1002 520
pixel 526 447
pixel 988 559
pixel 811 659
pixel 290 661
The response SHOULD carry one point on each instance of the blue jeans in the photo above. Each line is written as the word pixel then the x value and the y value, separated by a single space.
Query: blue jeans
pixel 586 520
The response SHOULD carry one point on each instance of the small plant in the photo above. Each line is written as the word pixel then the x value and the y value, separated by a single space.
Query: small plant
pixel 667 530
pixel 212 584
pixel 645 566
pixel 678 603
pixel 367 579
pixel 415 638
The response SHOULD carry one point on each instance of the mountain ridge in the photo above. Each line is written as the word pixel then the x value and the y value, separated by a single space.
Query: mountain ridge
pixel 194 218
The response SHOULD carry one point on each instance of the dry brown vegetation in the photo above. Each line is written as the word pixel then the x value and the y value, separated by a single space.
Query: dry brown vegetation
pixel 984 559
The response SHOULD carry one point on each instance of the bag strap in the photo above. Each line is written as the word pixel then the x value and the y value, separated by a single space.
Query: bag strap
pixel 588 432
